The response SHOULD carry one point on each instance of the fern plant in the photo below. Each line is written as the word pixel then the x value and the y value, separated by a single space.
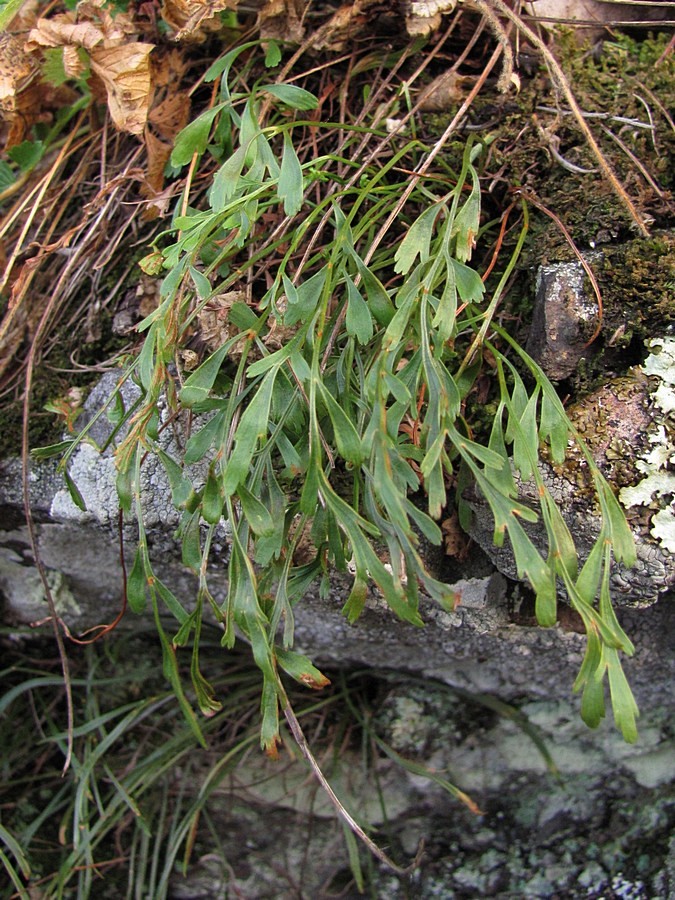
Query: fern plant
pixel 328 433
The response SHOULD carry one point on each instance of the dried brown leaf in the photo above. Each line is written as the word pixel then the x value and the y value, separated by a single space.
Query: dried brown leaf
pixel 171 115
pixel 17 71
pixel 282 20
pixel 194 19
pixel 125 72
pixel 72 62
pixel 63 31
pixel 213 323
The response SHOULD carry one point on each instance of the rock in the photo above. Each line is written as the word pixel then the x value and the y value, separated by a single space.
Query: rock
pixel 563 319
pixel 466 694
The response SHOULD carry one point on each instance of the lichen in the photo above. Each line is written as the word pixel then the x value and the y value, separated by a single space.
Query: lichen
pixel 656 490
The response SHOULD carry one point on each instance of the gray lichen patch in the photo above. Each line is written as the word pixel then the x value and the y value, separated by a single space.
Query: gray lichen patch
pixel 654 492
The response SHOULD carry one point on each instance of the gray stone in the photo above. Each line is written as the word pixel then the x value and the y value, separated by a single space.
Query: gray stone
pixel 563 319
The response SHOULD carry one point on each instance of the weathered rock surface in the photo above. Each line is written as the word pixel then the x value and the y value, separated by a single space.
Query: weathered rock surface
pixel 584 837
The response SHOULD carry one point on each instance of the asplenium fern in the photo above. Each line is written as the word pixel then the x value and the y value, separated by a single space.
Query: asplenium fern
pixel 328 436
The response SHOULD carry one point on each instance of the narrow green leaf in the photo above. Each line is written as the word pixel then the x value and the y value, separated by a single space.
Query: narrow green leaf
pixel 52 450
pixel 171 601
pixel 417 241
pixel 301 669
pixel 356 601
pixel 181 486
pixel 470 286
pixel 242 317
pixel 359 322
pixel 194 137
pixel 124 485
pixel 290 186
pixel 624 707
pixel 199 384
pixel 252 427
pixel 526 439
pixel 74 492
pixel 303 300
pixel 256 513
pixel 191 548
pixel 379 301
pixel 554 426
pixel 346 437
pixel 467 221
pixel 201 283
pixel 137 584
pixel 226 181
pixel 202 440
pixel 212 498
pixel 291 95
pixel 272 55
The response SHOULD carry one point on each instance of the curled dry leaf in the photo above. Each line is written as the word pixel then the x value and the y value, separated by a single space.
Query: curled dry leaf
pixel 121 64
pixel 214 327
pixel 282 20
pixel 125 72
pixel 194 19
pixel 19 101
pixel 424 16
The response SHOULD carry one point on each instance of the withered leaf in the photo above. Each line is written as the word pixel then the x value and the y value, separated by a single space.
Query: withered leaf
pixel 171 115
pixel 194 18
pixel 17 71
pixel 282 20
pixel 125 72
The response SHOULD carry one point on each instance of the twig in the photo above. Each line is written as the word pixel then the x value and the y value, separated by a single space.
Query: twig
pixel 378 853
pixel 562 83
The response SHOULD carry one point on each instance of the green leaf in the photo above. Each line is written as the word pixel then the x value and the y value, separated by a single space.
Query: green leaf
pixel 379 301
pixel 560 540
pixel 417 240
pixel 124 484
pixel 137 584
pixel 446 311
pixel 194 137
pixel 589 577
pixel 554 426
pixel 27 154
pixel 212 498
pixel 359 322
pixel 201 283
pixel 171 601
pixel 8 9
pixel 467 221
pixel 223 65
pixel 303 300
pixel 7 176
pixel 226 180
pixel 181 486
pixel 356 600
pixel 256 513
pixel 301 669
pixel 272 55
pixel 624 707
pixel 74 492
pixel 346 437
pixel 253 426
pixel 242 317
pixel 199 384
pixel 470 286
pixel 170 669
pixel 191 548
pixel 202 440
pixel 526 439
pixel 290 186
pixel 52 449
pixel 291 95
